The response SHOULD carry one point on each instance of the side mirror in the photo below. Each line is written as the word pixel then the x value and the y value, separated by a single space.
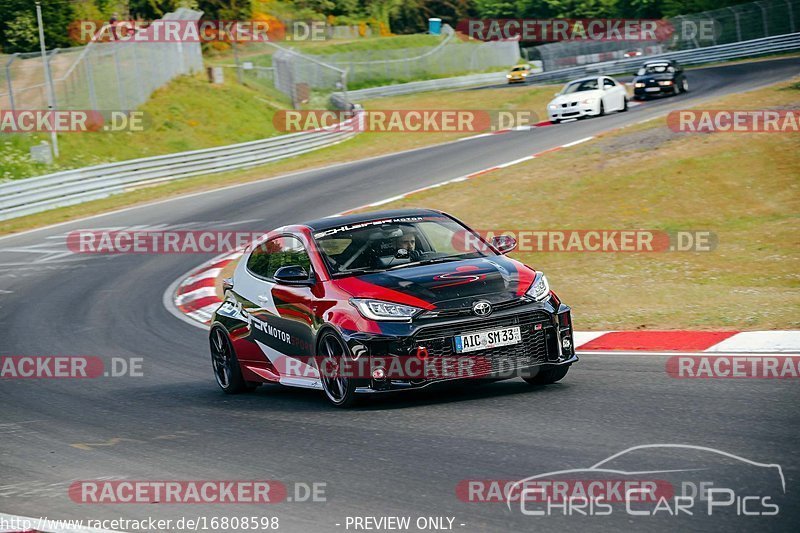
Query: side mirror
pixel 227 284
pixel 504 243
pixel 293 275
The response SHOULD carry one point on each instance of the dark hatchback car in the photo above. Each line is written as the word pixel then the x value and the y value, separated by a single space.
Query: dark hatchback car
pixel 386 301
pixel 658 78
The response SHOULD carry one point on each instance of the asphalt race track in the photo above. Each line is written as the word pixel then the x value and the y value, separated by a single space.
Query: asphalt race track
pixel 396 455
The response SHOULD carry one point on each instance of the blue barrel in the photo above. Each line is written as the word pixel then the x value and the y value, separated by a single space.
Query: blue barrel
pixel 435 26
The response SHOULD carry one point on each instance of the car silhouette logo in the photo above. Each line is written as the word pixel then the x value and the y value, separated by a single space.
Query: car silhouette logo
pixel 482 308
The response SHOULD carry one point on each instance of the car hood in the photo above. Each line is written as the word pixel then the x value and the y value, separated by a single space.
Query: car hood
pixel 456 284
pixel 576 97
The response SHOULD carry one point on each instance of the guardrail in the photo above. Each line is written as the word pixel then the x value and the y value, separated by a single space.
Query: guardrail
pixel 695 56
pixel 457 82
pixel 33 195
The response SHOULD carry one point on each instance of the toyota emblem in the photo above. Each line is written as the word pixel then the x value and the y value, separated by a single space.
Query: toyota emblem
pixel 482 308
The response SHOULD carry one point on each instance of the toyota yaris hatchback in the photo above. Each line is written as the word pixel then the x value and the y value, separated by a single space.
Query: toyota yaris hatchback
pixel 386 301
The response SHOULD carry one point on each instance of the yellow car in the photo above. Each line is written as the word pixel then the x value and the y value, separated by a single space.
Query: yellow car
pixel 518 74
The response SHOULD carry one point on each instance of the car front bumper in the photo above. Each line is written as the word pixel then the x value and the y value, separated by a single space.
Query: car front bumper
pixel 569 111
pixel 653 90
pixel 547 340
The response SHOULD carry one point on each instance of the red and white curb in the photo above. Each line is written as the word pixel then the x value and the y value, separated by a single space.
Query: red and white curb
pixel 196 295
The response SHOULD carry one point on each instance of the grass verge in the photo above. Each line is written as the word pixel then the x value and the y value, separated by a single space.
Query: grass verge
pixel 362 146
pixel 187 114
pixel 743 187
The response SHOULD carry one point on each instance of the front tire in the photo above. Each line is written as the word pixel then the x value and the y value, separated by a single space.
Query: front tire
pixel 226 365
pixel 546 376
pixel 602 110
pixel 624 104
pixel 340 390
pixel 685 86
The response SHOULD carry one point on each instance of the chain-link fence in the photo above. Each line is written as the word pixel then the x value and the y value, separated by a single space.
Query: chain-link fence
pixel 100 75
pixel 379 67
pixel 742 22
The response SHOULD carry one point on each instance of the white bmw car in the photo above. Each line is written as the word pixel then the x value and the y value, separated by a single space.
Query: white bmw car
pixel 588 97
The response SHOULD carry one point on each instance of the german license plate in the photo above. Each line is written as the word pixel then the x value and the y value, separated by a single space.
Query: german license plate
pixel 485 340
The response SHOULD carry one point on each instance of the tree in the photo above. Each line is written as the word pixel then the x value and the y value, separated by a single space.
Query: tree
pixel 21 33
pixel 15 17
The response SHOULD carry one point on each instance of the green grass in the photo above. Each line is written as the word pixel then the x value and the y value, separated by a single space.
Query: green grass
pixel 372 44
pixel 743 187
pixel 187 114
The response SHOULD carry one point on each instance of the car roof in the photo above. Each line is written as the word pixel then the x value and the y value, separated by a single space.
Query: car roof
pixel 326 223
pixel 659 62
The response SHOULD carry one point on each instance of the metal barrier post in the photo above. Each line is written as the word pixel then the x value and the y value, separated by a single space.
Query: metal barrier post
pixel 763 18
pixel 51 95
pixel 8 80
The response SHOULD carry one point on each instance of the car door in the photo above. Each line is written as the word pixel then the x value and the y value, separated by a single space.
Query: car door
pixel 611 95
pixel 280 314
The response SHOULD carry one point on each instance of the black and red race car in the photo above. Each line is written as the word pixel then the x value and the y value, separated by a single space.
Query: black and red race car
pixel 386 301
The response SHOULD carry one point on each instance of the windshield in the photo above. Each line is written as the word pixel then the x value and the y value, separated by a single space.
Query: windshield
pixel 659 68
pixel 580 86
pixel 517 69
pixel 387 244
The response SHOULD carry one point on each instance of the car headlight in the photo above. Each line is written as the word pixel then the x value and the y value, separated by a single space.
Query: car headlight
pixel 552 106
pixel 380 310
pixel 508 76
pixel 665 82
pixel 539 289
pixel 638 84
pixel 524 74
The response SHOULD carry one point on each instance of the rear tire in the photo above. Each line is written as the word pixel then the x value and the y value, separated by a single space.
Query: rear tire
pixel 546 376
pixel 685 86
pixel 226 367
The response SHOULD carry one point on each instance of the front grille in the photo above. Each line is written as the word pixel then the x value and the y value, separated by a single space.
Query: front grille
pixel 531 351
pixel 467 311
